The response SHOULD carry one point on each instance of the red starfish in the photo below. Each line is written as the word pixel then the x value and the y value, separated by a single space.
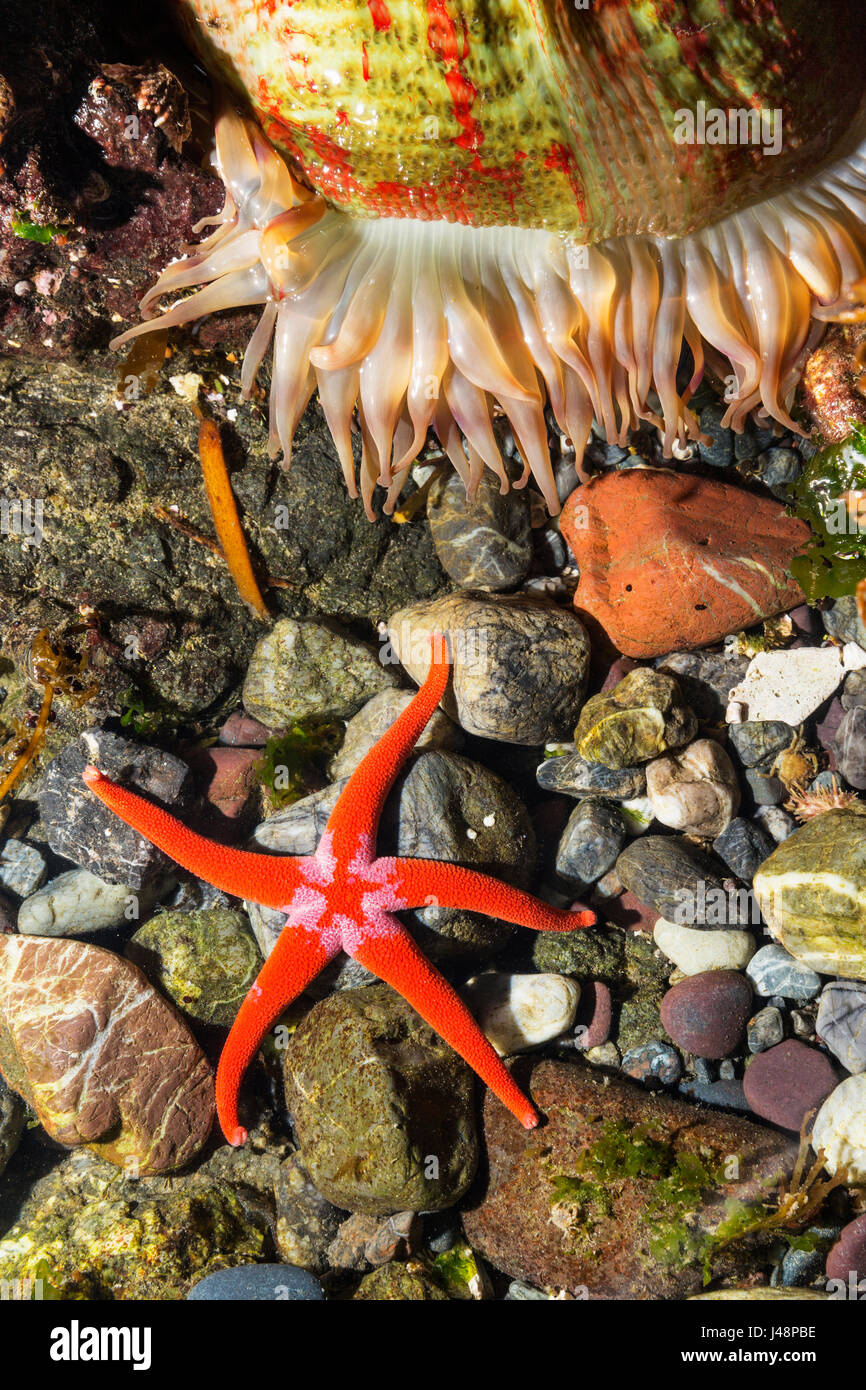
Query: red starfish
pixel 343 898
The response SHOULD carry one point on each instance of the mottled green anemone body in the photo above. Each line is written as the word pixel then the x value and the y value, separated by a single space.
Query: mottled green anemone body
pixel 542 113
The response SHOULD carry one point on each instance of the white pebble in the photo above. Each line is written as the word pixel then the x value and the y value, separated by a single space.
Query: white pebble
pixel 518 1012
pixel 840 1129
pixel 695 951
pixel 790 685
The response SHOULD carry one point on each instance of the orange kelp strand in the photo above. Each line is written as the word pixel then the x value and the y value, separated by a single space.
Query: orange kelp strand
pixel 22 761
pixel 224 511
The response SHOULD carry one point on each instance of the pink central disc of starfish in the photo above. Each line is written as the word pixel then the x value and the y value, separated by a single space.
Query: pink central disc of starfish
pixel 342 898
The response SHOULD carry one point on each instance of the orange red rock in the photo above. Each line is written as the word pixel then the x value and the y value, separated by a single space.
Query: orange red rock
pixel 671 562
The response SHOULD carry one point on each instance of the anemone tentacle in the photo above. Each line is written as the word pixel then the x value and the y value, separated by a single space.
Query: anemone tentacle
pixel 420 324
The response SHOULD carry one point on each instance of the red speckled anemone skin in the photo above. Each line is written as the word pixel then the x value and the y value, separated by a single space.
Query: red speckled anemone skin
pixel 457 215
pixel 343 897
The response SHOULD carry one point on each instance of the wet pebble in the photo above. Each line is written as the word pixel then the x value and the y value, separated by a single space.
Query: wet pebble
pixel 705 679
pixel 854 691
pixel 643 715
pixel 673 876
pixel 849 747
pixel 258 1284
pixel 841 1022
pixel 573 775
pixel 483 543
pixel 759 740
pixel 594 835
pixel 240 730
pixel 744 845
pixel 706 1014
pixel 773 971
pixel 77 903
pixel 594 1015
pixel 778 468
pixel 303 669
pixel 695 791
pixel 518 1012
pixel 848 1255
pixel 722 1095
pixel 695 951
pixel 765 1029
pixel 840 1129
pixel 22 868
pixel 778 823
pixel 785 1082
pixel 653 1061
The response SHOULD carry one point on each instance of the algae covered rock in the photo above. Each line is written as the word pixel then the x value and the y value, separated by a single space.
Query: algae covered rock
pixel 382 1107
pixel 89 1235
pixel 204 961
pixel 399 1282
pixel 812 893
pixel 101 1057
pixel 643 715
pixel 307 669
pixel 624 961
pixel 11 1123
pixel 628 1195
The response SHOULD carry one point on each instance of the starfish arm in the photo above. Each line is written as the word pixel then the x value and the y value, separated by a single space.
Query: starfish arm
pixel 360 805
pixel 428 882
pixel 264 878
pixel 296 959
pixel 390 953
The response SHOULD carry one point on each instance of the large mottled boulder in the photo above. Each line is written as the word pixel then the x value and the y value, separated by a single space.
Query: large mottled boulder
pixel 382 1107
pixel 520 664
pixel 812 893
pixel 671 561
pixel 623 1194
pixel 89 1232
pixel 101 1057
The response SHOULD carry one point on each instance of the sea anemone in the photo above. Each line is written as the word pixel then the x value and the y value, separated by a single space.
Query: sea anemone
pixel 450 212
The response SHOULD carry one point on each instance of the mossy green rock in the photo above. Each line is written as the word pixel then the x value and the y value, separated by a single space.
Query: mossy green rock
pixel 11 1123
pixel 624 961
pixel 204 961
pixel 812 893
pixel 382 1107
pixel 307 669
pixel 643 715
pixel 398 1282
pixel 624 1194
pixel 91 1235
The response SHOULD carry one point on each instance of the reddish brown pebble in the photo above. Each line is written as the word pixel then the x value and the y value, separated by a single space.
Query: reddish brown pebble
pixel 848 1255
pixel 594 1013
pixel 707 1013
pixel 228 777
pixel 787 1081
pixel 242 731
pixel 671 562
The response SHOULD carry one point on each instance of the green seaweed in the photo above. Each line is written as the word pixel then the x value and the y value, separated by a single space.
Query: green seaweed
pixel 834 560
pixel 678 1180
pixel 44 232
pixel 287 759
